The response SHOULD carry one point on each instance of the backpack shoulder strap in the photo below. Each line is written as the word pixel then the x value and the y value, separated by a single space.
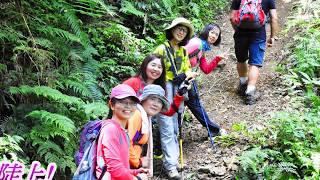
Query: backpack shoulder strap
pixel 170 58
pixel 104 170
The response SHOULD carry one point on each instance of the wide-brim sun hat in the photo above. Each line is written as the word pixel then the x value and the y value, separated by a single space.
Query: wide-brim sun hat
pixel 122 91
pixel 158 91
pixel 183 21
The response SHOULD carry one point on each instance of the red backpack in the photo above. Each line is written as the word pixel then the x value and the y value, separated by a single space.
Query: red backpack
pixel 250 15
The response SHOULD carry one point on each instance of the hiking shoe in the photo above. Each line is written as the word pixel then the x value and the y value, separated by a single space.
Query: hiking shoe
pixel 180 169
pixel 223 132
pixel 252 97
pixel 241 90
pixel 174 174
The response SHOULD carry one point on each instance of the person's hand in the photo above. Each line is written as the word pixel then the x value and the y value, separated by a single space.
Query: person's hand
pixel 144 162
pixel 185 86
pixel 192 75
pixel 270 42
pixel 143 176
pixel 143 171
pixel 224 55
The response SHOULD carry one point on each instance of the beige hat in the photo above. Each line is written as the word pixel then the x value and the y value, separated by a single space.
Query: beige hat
pixel 184 22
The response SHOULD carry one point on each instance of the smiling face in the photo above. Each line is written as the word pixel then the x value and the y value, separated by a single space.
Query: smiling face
pixel 179 32
pixel 213 35
pixel 152 105
pixel 123 108
pixel 154 70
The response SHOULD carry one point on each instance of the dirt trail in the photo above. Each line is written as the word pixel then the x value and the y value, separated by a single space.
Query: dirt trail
pixel 218 94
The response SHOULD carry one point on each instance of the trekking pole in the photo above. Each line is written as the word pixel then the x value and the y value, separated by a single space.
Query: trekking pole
pixel 205 119
pixel 180 119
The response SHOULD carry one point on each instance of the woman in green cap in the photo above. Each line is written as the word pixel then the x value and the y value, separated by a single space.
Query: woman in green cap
pixel 177 68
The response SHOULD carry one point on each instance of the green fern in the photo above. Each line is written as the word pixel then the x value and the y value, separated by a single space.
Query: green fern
pixel 96 109
pixel 77 86
pixel 11 35
pixel 168 4
pixel 128 8
pixel 251 160
pixel 91 71
pixel 53 32
pixel 94 8
pixel 46 92
pixel 46 43
pixel 58 120
pixel 282 171
pixel 10 144
pixel 74 22
pixel 49 146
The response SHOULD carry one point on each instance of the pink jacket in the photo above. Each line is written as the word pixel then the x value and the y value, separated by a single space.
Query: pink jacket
pixel 194 49
pixel 113 152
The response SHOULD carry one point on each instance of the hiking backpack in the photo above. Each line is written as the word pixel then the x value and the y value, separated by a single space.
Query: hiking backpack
pixel 250 15
pixel 86 157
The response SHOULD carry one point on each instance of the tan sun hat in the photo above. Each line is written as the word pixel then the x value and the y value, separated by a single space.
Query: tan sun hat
pixel 184 22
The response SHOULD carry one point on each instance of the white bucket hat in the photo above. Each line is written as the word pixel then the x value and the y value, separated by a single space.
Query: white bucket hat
pixel 184 22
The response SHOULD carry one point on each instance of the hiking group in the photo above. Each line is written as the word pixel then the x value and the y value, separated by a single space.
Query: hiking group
pixel 121 146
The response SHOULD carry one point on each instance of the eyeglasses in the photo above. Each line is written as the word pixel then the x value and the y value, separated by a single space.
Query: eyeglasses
pixel 182 28
pixel 128 103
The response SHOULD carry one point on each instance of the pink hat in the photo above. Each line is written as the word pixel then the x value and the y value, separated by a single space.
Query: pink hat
pixel 122 91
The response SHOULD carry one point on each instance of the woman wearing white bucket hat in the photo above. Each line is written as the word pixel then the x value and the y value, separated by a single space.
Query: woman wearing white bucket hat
pixel 177 63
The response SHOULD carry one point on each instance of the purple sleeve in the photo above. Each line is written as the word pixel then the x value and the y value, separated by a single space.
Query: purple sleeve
pixel 235 4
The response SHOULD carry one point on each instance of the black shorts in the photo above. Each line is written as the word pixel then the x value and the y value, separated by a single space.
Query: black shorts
pixel 250 48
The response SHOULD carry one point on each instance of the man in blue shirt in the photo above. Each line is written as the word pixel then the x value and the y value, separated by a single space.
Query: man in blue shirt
pixel 250 44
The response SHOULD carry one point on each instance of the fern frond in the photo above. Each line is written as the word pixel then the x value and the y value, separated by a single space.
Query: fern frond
pixel 96 109
pixel 74 23
pixel 91 70
pixel 287 168
pixel 10 143
pixel 51 157
pixel 47 92
pixel 3 68
pixel 88 52
pixel 53 31
pixel 49 146
pixel 37 53
pixel 252 159
pixel 128 8
pixel 43 42
pixel 168 4
pixel 110 10
pixel 11 35
pixel 45 131
pixel 94 8
pixel 77 86
pixel 195 9
pixel 60 121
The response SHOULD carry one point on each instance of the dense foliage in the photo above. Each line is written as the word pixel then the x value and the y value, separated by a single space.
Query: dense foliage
pixel 289 146
pixel 59 59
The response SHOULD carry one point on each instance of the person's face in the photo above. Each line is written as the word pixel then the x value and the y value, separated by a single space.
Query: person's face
pixel 213 35
pixel 179 32
pixel 123 108
pixel 152 105
pixel 154 70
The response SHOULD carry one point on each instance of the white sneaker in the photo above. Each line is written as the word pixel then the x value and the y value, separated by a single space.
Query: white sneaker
pixel 174 174
pixel 223 132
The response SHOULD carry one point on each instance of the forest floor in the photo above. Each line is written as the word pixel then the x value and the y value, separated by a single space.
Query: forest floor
pixel 218 94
